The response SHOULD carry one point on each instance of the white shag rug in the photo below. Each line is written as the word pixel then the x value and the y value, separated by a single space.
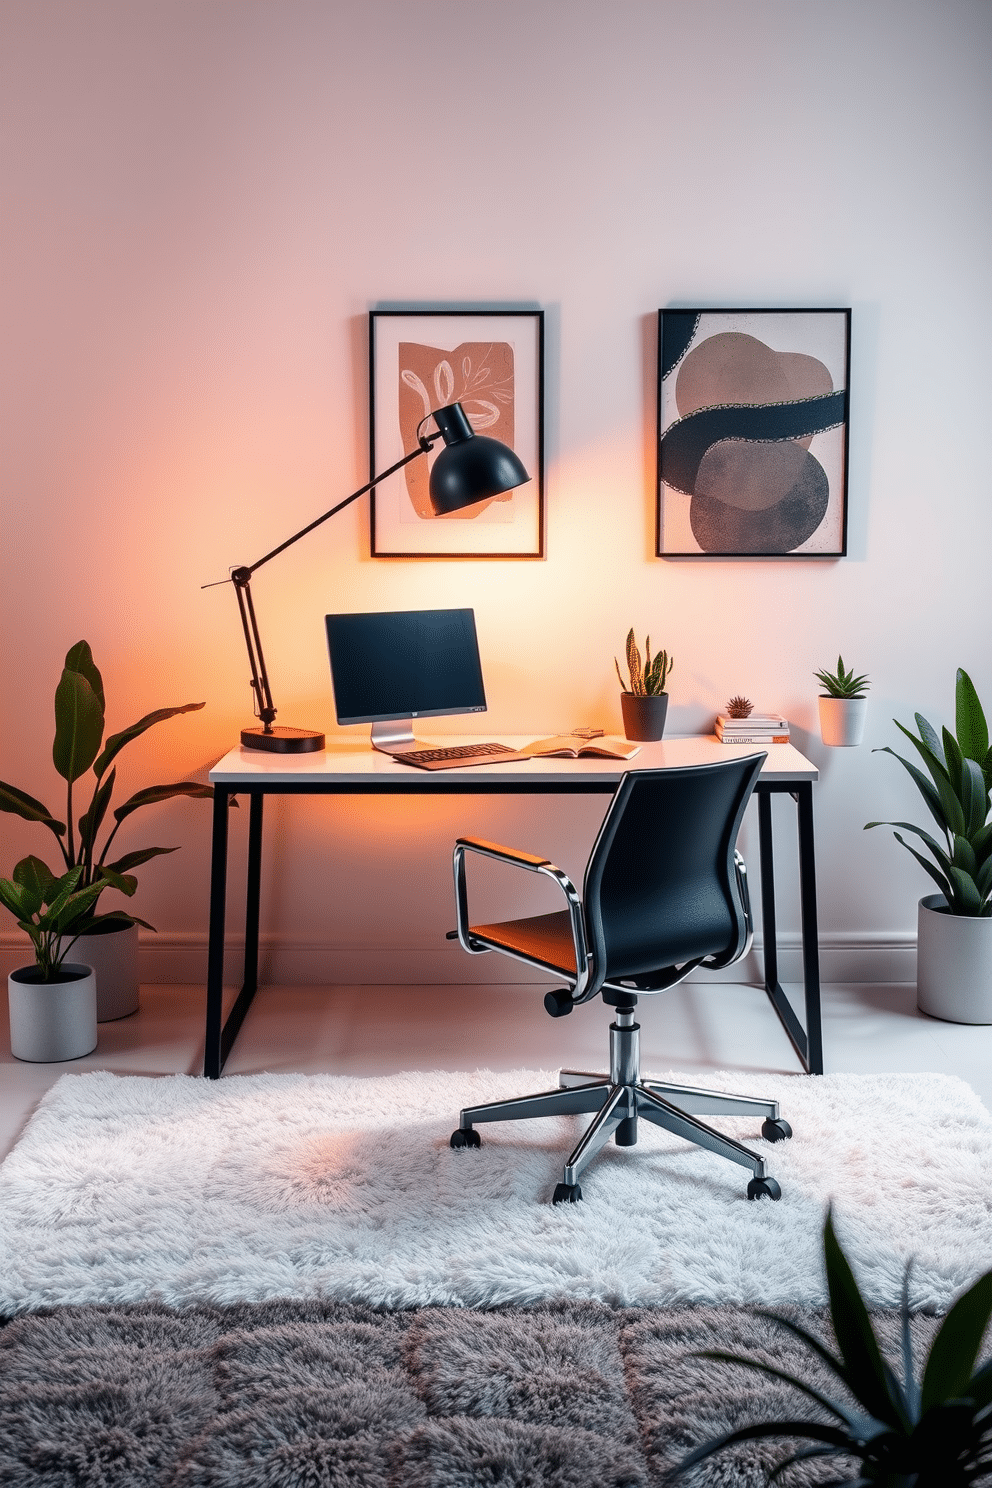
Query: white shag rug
pixel 182 1190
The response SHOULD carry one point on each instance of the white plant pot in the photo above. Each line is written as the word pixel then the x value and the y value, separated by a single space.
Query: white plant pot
pixel 114 959
pixel 52 1021
pixel 842 720
pixel 954 964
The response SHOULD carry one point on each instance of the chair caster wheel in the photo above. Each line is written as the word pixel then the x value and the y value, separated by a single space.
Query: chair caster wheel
pixel 763 1188
pixel 775 1131
pixel 567 1193
pixel 465 1136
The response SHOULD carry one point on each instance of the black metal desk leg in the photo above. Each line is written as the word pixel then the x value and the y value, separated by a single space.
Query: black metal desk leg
pixel 811 950
pixel 215 952
pixel 773 987
pixel 769 936
pixel 254 890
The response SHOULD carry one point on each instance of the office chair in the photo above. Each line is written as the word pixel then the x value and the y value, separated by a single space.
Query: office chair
pixel 665 891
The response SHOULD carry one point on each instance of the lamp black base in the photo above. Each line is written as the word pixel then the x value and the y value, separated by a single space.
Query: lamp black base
pixel 282 740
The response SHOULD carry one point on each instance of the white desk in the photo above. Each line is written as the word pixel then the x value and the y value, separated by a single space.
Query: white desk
pixel 352 767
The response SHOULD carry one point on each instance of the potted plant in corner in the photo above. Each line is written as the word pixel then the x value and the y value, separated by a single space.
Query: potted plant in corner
pixel 643 700
pixel 930 1429
pixel 53 1002
pixel 110 940
pixel 954 945
pixel 843 705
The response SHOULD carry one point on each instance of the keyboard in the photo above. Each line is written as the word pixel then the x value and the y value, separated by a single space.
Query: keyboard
pixel 459 754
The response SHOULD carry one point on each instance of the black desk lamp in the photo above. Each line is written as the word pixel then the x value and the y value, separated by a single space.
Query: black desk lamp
pixel 469 468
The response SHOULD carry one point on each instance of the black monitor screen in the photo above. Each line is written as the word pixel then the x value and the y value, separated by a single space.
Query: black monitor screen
pixel 404 664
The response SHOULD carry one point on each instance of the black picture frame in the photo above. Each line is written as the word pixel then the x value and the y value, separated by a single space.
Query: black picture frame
pixel 752 440
pixel 492 362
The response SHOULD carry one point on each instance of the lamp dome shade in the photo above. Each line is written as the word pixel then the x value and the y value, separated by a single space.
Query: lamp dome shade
pixel 471 466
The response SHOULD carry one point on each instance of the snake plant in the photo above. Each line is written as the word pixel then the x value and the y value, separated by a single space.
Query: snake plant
pixel 956 789
pixel 647 679
pixel 930 1429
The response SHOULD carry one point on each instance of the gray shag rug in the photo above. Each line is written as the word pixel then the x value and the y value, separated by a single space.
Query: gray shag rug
pixel 304 1394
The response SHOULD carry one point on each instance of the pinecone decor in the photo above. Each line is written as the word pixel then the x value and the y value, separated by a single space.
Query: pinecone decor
pixel 739 707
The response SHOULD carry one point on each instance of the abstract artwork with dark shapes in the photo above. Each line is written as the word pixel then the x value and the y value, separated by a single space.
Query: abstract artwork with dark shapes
pixel 752 433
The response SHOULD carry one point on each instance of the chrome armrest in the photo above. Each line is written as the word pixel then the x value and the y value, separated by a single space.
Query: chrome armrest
pixel 516 859
pixel 743 946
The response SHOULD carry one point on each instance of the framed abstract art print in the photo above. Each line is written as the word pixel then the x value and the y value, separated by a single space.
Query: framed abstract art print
pixel 490 361
pixel 752 433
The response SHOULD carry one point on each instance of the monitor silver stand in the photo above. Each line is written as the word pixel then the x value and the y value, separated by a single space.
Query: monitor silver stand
pixel 393 737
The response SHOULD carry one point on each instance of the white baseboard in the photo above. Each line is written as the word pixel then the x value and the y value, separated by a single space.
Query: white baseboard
pixel 182 958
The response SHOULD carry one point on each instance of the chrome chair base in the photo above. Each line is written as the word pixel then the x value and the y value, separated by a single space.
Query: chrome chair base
pixel 616 1102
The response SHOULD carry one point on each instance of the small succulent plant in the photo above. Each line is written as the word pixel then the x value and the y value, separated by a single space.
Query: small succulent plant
pixel 739 707
pixel 842 684
pixel 647 680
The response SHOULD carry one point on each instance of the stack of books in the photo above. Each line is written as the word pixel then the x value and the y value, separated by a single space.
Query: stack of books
pixel 759 728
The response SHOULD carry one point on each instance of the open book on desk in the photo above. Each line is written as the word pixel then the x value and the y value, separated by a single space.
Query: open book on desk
pixel 571 746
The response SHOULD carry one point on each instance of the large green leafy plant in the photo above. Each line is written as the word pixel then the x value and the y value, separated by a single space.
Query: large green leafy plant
pixel 955 786
pixel 931 1429
pixel 69 901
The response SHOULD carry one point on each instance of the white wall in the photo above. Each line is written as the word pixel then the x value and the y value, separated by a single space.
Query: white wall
pixel 202 199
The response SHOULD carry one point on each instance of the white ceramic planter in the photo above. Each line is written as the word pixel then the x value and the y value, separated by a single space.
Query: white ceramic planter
pixel 52 1021
pixel 842 720
pixel 954 964
pixel 114 959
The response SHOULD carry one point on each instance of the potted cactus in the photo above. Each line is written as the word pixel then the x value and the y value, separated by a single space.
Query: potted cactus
pixel 954 942
pixel 643 699
pixel 843 705
pixel 109 941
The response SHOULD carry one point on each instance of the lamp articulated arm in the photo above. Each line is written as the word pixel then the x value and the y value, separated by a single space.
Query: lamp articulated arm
pixel 265 708
pixel 470 469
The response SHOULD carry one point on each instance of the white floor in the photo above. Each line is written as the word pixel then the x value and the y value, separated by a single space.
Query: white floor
pixel 380 1030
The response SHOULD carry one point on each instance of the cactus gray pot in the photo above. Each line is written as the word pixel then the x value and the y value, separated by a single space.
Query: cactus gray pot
pixel 644 717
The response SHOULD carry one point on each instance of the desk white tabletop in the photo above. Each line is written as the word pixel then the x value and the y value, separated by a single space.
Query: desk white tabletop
pixel 349 760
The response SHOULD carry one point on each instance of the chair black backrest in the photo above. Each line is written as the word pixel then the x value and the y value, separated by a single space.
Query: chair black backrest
pixel 660 886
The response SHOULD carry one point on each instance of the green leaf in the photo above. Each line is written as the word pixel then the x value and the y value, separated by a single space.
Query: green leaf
pixel 969 719
pixel 20 900
pixel 116 742
pixel 89 822
pixel 125 882
pixel 154 793
pixel 974 801
pixel 74 908
pixel 79 658
pixel 943 884
pixel 864 1368
pixel 112 919
pixel 135 859
pixel 964 857
pixel 967 900
pixel 67 885
pixel 813 1430
pixel 942 857
pixel 78 726
pixel 950 805
pixel 929 736
pixel 19 803
pixel 926 788
pixel 954 1351
pixel 853 1420
pixel 35 876
pixel 952 757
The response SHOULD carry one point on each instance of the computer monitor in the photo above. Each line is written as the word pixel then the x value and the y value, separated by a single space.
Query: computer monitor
pixel 398 665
